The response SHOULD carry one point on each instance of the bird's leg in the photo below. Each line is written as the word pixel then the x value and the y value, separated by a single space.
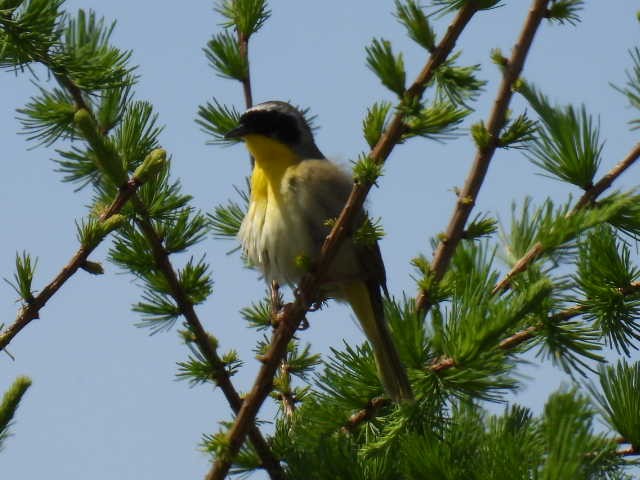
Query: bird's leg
pixel 276 303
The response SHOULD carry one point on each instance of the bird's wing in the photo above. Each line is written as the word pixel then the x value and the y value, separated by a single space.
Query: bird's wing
pixel 323 189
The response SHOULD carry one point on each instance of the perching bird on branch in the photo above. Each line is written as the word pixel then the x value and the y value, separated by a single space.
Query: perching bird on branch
pixel 295 193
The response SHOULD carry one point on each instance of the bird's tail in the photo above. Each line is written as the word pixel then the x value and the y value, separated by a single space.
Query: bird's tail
pixel 366 301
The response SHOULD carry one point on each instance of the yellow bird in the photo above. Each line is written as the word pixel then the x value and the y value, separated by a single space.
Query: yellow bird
pixel 294 191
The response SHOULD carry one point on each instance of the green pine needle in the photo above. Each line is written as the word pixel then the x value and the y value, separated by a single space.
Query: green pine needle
pixel 568 146
pixel 447 6
pixel 366 171
pixel 375 122
pixel 216 119
pixel 78 166
pixel 369 233
pixel 573 345
pixel 185 229
pixel 388 67
pixel 159 311
pixel 565 11
pixel 226 219
pixel 246 16
pixel 9 405
pixel 258 315
pixel 87 56
pixel 481 226
pixel 23 276
pixel 137 134
pixel 224 56
pixel 416 21
pixel 438 121
pixel 632 88
pixel 195 280
pixel 570 442
pixel 604 276
pixel 620 399
pixel 456 84
pixel 48 117
pixel 519 132
pixel 111 106
pixel 301 362
pixel 29 31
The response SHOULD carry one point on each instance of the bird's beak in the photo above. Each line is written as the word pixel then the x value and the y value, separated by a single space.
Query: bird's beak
pixel 238 132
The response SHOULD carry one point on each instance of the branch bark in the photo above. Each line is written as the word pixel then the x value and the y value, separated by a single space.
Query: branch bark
pixel 161 257
pixel 469 194
pixel 306 294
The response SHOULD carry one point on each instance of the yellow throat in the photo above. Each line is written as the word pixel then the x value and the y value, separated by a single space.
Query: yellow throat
pixel 272 159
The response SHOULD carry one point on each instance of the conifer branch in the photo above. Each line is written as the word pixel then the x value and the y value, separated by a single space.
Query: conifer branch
pixel 589 196
pixel 31 310
pixel 469 193
pixel 306 295
pixel 202 339
pixel 444 363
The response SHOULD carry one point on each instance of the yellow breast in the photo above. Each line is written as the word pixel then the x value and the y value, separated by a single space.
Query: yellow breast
pixel 273 232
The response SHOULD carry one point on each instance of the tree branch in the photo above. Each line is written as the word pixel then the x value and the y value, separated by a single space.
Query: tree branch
pixel 306 295
pixel 589 196
pixel 31 311
pixel 469 194
pixel 161 257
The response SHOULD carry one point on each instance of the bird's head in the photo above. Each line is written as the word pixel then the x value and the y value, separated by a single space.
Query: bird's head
pixel 276 125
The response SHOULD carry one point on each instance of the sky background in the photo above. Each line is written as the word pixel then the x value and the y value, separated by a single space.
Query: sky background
pixel 104 402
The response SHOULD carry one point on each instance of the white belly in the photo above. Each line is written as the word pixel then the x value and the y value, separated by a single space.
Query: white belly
pixel 273 236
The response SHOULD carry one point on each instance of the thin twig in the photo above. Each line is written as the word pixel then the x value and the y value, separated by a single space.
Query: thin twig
pixel 469 194
pixel 243 46
pixel 306 295
pixel 31 310
pixel 367 413
pixel 161 257
pixel 589 196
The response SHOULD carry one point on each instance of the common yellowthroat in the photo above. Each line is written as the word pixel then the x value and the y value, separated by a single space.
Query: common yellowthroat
pixel 295 190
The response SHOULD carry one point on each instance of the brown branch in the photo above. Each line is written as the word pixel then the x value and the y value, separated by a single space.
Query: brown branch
pixel 243 46
pixel 589 196
pixel 161 257
pixel 484 155
pixel 293 314
pixel 367 413
pixel 31 310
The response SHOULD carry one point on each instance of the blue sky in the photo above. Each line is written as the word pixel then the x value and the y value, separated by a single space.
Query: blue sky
pixel 104 401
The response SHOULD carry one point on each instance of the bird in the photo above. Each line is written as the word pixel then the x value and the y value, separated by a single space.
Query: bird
pixel 295 193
